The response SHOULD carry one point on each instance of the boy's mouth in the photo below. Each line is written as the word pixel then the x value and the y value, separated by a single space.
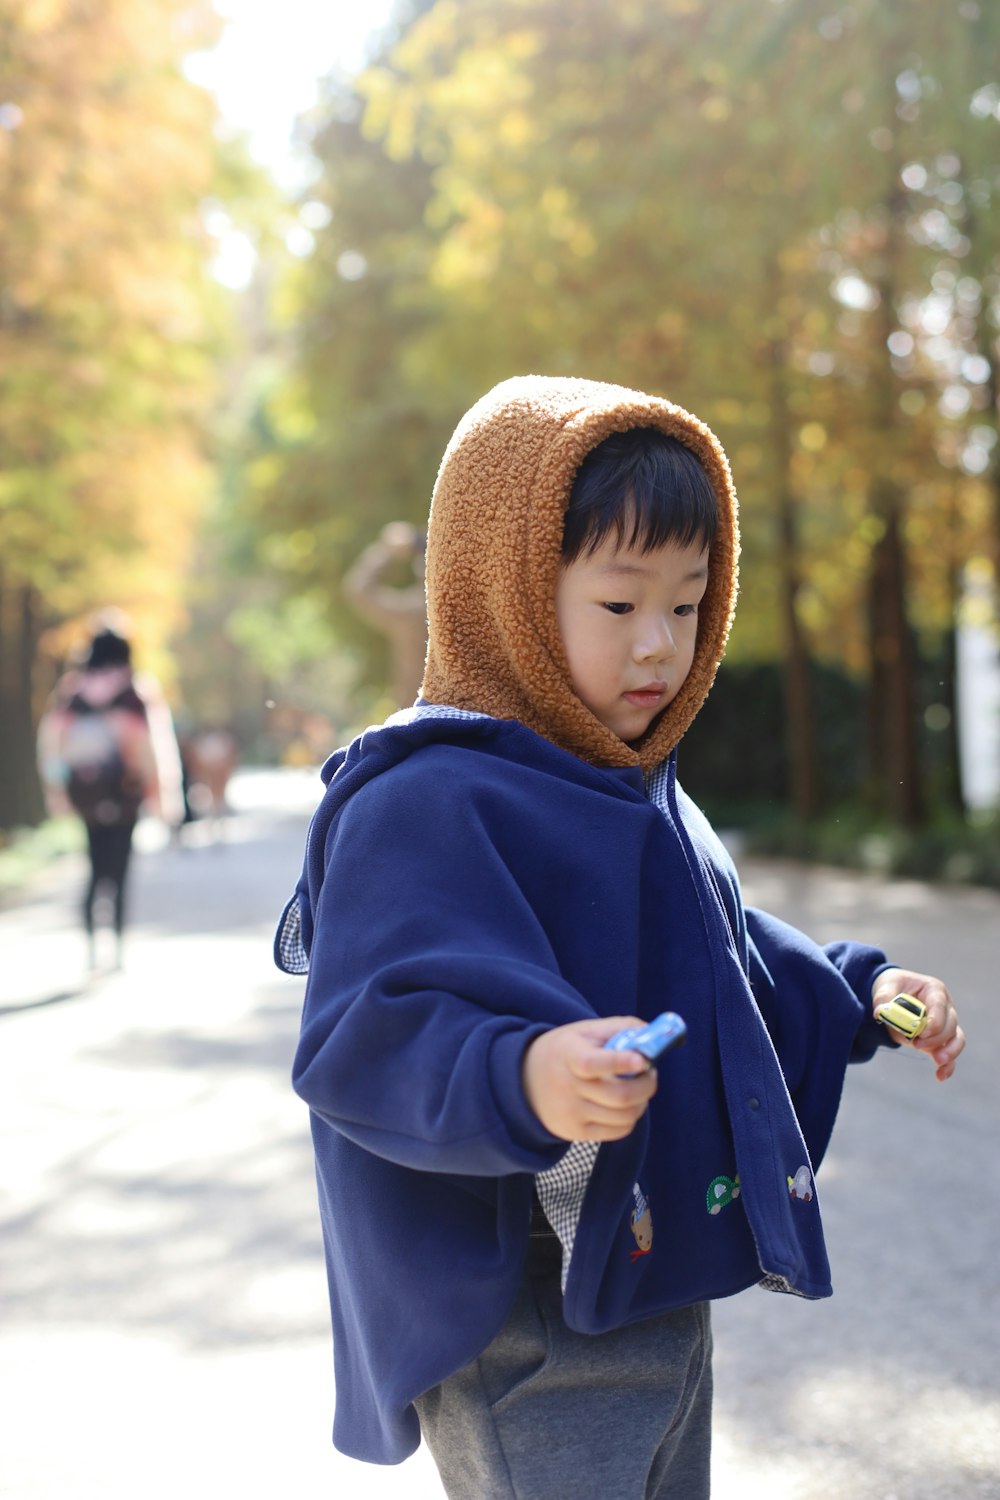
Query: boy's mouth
pixel 648 696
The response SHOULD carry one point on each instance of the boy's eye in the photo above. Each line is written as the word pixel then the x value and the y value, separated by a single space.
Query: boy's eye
pixel 686 609
pixel 620 609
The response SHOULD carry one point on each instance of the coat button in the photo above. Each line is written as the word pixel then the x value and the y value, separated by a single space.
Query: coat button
pixel 754 1103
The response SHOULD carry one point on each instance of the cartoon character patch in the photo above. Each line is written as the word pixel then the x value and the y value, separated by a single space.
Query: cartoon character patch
pixel 801 1185
pixel 641 1221
pixel 721 1192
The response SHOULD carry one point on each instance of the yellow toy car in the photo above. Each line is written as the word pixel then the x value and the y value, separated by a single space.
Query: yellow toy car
pixel 903 1013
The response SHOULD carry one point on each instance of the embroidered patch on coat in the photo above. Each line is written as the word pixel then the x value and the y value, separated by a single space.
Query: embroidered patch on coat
pixel 801 1185
pixel 641 1221
pixel 721 1192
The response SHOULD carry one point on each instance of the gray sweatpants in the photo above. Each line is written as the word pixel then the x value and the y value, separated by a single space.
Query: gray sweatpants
pixel 548 1414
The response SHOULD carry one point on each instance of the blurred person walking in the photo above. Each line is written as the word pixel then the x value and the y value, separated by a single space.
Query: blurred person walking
pixel 398 611
pixel 106 750
pixel 208 759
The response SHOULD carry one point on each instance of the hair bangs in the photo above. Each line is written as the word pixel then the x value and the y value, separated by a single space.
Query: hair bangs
pixel 644 489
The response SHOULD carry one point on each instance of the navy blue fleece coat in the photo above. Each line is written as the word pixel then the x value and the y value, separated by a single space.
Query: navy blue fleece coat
pixel 468 884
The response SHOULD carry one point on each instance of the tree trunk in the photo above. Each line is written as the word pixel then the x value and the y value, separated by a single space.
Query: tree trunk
pixel 896 770
pixel 953 789
pixel 21 804
pixel 893 670
pixel 802 749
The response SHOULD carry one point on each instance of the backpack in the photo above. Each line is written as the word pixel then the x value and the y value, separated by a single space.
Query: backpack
pixel 99 785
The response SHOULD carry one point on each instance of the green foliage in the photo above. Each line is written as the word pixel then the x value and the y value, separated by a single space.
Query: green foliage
pixel 618 197
pixel 344 446
pixel 948 850
pixel 784 220
pixel 111 333
pixel 106 310
pixel 24 852
pixel 735 754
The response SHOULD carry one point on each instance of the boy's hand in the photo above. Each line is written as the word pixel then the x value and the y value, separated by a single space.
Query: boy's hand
pixel 578 1090
pixel 942 1037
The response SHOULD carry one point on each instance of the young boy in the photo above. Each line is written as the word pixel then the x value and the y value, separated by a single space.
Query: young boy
pixel 524 1228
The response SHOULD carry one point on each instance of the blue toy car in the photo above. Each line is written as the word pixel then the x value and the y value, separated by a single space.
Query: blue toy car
pixel 668 1030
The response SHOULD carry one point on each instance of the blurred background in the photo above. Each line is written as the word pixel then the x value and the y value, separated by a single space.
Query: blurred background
pixel 256 260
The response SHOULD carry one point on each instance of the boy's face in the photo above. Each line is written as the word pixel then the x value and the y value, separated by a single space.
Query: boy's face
pixel 628 621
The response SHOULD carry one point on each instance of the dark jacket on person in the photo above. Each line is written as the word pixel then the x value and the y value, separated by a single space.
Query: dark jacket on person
pixel 494 863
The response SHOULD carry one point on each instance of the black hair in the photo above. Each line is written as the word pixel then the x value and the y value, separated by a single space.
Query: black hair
pixel 108 649
pixel 643 487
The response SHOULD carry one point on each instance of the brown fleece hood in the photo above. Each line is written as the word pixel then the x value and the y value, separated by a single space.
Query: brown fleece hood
pixel 493 556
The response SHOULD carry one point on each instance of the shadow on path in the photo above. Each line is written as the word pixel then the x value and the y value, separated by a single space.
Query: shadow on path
pixel 84 992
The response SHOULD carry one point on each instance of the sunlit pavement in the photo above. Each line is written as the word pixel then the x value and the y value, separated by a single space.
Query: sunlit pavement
pixel 164 1326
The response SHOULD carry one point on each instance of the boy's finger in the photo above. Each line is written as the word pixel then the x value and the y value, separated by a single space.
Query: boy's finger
pixel 939 1032
pixel 599 1062
pixel 602 1028
pixel 621 1093
pixel 620 1120
pixel 592 1058
pixel 949 1049
pixel 945 1053
pixel 612 1114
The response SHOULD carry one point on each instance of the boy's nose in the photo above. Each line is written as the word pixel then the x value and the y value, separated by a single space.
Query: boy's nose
pixel 657 644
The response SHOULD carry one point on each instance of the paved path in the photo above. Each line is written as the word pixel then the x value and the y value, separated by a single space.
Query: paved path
pixel 164 1322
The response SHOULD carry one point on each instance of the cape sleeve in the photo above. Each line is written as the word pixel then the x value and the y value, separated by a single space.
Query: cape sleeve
pixel 429 974
pixel 816 1004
